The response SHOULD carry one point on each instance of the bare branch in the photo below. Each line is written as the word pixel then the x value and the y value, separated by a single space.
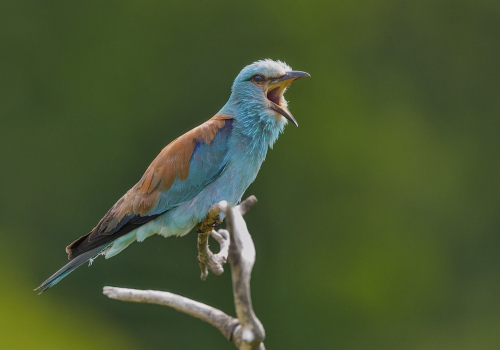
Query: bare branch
pixel 242 258
pixel 247 204
pixel 246 332
pixel 220 320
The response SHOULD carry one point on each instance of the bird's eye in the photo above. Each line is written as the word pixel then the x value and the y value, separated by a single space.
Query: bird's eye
pixel 258 78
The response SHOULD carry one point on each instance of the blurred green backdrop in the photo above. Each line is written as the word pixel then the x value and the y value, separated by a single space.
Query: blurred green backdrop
pixel 377 226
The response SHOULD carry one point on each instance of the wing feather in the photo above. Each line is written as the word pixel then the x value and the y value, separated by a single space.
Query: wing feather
pixel 176 175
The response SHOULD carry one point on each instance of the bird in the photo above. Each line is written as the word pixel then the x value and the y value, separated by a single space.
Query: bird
pixel 215 161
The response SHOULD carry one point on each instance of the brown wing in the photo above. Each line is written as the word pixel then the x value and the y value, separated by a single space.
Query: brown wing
pixel 131 211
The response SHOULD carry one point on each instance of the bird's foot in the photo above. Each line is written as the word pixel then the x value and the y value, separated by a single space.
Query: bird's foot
pixel 209 260
pixel 211 221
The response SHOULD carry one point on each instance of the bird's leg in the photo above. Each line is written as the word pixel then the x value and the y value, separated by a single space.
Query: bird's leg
pixel 206 258
pixel 209 260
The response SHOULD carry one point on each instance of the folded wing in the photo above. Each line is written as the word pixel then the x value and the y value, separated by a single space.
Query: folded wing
pixel 181 170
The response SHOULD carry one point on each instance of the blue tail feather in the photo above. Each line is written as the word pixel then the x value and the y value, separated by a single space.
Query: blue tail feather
pixel 69 267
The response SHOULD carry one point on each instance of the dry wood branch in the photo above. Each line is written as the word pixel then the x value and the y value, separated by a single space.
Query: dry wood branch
pixel 220 320
pixel 242 259
pixel 245 331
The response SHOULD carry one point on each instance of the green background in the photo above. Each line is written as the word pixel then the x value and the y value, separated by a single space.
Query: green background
pixel 377 223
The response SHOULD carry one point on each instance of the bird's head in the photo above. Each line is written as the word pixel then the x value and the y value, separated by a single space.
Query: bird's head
pixel 263 83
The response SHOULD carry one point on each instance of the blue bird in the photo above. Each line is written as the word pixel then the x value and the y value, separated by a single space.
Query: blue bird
pixel 215 161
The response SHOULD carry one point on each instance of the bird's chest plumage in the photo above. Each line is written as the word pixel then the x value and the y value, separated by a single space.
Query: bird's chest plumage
pixel 247 150
pixel 245 158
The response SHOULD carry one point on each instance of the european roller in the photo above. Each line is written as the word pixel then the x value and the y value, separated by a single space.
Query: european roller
pixel 215 161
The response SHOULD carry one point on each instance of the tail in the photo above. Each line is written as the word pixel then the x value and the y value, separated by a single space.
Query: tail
pixel 69 267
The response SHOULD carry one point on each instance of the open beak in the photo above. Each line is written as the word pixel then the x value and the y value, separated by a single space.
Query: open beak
pixel 277 88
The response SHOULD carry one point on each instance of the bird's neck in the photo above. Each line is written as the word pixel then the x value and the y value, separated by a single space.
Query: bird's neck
pixel 256 125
